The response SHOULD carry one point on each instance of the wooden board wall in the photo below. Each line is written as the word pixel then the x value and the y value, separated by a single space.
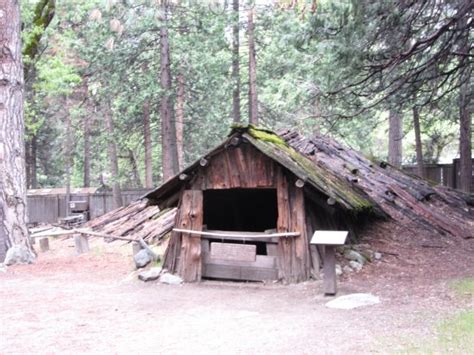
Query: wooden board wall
pixel 293 253
pixel 242 167
pixel 236 167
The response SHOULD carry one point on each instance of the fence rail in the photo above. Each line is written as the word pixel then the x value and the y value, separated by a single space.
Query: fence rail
pixel 443 174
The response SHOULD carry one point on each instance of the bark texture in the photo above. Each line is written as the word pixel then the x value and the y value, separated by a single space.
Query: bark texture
pixel 180 101
pixel 253 102
pixel 68 156
pixel 465 137
pixel 113 161
pixel 465 120
pixel 395 137
pixel 148 148
pixel 235 62
pixel 87 152
pixel 13 230
pixel 168 127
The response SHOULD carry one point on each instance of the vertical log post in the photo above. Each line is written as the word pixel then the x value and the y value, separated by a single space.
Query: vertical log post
pixel 82 244
pixel 329 271
pixel 44 244
pixel 190 263
pixel 329 239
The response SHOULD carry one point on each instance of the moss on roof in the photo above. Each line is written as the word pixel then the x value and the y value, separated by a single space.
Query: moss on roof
pixel 276 148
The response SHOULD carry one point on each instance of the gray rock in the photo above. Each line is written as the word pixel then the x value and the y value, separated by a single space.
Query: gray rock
pixel 377 255
pixel 150 275
pixel 338 270
pixel 142 258
pixel 347 269
pixel 355 265
pixel 355 256
pixel 170 279
pixel 18 254
pixel 354 300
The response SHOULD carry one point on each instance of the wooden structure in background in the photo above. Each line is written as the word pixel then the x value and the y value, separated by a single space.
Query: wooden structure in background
pixel 218 191
pixel 442 174
pixel 244 211
pixel 49 205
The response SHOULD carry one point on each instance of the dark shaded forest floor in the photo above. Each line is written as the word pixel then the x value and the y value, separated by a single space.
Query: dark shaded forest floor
pixel 92 303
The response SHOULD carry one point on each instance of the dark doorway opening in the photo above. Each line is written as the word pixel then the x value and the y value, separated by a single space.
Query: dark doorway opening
pixel 246 210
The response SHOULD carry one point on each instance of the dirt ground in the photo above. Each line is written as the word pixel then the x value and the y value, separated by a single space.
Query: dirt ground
pixel 94 303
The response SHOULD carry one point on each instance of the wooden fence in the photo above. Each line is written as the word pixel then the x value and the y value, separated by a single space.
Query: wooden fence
pixel 443 174
pixel 49 208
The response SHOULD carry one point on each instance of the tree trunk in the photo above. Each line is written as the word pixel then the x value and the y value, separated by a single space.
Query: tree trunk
pixel 465 136
pixel 148 147
pixel 68 158
pixel 31 152
pixel 13 213
pixel 418 147
pixel 253 103
pixel 136 182
pixel 28 163
pixel 465 117
pixel 168 127
pixel 87 151
pixel 235 62
pixel 395 137
pixel 113 161
pixel 180 99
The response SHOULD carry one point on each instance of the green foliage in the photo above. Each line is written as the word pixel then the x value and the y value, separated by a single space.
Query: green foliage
pixel 101 57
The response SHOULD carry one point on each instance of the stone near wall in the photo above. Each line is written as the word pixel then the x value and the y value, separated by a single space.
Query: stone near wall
pixel 355 265
pixel 170 279
pixel 150 275
pixel 352 301
pixel 355 256
pixel 347 269
pixel 142 258
pixel 18 254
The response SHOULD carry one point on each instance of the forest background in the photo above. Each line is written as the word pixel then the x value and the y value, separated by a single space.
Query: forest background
pixel 125 93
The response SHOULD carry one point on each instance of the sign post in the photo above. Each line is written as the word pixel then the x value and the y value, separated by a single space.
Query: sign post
pixel 329 239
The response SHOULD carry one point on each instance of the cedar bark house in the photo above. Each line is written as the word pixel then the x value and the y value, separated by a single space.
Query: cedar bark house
pixel 247 209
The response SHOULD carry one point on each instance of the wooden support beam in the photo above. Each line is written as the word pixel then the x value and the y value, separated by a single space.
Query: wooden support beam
pixel 44 244
pixel 245 235
pixel 82 243
pixel 329 271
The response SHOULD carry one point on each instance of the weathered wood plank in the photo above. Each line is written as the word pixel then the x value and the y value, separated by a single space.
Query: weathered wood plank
pixel 264 261
pixel 243 235
pixel 260 270
pixel 293 253
pixel 231 251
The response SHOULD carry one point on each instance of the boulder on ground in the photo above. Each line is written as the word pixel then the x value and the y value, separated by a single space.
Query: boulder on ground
pixel 355 256
pixel 18 254
pixel 355 265
pixel 142 258
pixel 354 300
pixel 170 279
pixel 150 275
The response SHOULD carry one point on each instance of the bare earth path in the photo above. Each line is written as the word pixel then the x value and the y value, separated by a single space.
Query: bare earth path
pixel 72 304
